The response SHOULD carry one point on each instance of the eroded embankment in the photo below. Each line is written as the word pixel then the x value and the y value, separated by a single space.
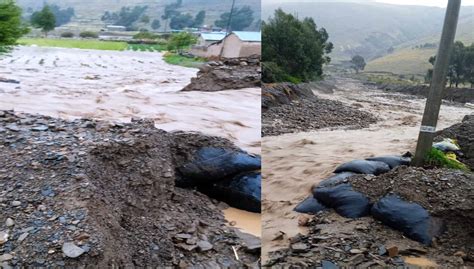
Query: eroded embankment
pixel 88 192
pixel 291 108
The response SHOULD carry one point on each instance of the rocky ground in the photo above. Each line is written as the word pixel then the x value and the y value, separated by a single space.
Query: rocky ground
pixel 85 192
pixel 289 108
pixel 464 133
pixel 228 74
pixel 334 240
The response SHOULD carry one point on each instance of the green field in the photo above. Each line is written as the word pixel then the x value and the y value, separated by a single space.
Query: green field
pixel 405 62
pixel 146 47
pixel 176 59
pixel 75 43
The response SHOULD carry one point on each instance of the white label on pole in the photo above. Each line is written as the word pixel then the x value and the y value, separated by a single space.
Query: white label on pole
pixel 428 129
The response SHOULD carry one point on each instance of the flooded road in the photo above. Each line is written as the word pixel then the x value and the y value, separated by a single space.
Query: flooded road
pixel 293 163
pixel 116 86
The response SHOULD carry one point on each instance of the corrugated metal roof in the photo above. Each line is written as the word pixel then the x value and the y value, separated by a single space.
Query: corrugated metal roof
pixel 213 36
pixel 249 36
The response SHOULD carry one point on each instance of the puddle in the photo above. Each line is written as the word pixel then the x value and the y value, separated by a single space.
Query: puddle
pixel 246 221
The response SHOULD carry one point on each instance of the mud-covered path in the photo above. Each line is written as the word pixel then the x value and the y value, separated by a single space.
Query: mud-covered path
pixel 292 163
pixel 119 85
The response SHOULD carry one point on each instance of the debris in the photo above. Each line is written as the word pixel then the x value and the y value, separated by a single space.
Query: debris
pixel 71 250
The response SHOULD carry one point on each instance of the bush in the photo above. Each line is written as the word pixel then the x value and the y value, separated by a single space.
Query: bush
pixel 67 34
pixel 89 34
pixel 145 35
pixel 439 159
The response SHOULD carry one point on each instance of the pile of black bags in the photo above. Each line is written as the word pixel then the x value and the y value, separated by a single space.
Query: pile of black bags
pixel 337 193
pixel 226 175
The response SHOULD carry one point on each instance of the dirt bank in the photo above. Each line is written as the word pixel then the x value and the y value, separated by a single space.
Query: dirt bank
pixel 290 108
pixel 295 162
pixel 87 192
pixel 459 95
pixel 228 74
pixel 119 85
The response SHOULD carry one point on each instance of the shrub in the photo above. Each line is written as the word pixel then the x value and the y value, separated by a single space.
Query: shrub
pixel 145 35
pixel 67 34
pixel 437 158
pixel 89 34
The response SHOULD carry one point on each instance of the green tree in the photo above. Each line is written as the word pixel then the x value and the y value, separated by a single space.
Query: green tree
pixel 180 41
pixel 181 21
pixel 11 27
pixel 127 16
pixel 44 19
pixel 156 24
pixel 458 69
pixel 469 64
pixel 199 19
pixel 358 63
pixel 62 16
pixel 241 19
pixel 295 50
pixel 145 19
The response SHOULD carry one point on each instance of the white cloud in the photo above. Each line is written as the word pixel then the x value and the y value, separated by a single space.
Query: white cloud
pixel 436 3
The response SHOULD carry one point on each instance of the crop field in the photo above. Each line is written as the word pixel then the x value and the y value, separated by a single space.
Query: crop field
pixel 146 47
pixel 75 43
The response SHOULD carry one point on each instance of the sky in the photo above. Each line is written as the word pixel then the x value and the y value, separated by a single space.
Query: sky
pixel 436 3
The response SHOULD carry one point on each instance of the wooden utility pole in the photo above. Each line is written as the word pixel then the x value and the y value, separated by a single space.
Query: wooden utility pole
pixel 438 83
pixel 227 30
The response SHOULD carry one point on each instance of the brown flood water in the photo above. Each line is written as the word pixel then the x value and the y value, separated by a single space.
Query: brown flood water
pixel 293 163
pixel 116 86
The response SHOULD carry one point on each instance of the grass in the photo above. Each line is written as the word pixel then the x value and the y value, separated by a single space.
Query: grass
pixel 405 61
pixel 75 43
pixel 437 158
pixel 146 47
pixel 173 58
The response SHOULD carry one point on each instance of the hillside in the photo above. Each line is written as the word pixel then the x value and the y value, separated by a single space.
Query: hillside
pixel 371 29
pixel 89 12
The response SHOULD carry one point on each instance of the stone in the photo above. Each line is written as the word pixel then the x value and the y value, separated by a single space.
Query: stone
pixel 5 257
pixel 22 237
pixel 299 247
pixel 392 251
pixel 356 259
pixel 71 250
pixel 3 237
pixel 204 246
pixel 461 254
pixel 328 265
pixel 40 128
pixel 9 222
pixel 16 203
pixel 303 220
pixel 355 251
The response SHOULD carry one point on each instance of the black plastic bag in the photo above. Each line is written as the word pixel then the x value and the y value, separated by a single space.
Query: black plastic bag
pixel 213 164
pixel 392 160
pixel 347 202
pixel 242 191
pixel 335 180
pixel 410 218
pixel 363 167
pixel 309 206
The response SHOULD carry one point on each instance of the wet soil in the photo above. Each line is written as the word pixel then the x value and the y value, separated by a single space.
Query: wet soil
pixel 289 108
pixel 86 192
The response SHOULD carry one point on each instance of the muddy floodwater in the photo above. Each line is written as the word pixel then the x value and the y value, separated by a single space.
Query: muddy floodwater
pixel 293 163
pixel 120 85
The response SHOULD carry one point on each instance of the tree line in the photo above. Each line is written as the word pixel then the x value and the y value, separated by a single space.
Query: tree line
pixel 461 65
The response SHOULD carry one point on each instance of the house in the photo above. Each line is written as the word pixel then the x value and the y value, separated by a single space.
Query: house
pixel 236 44
pixel 206 39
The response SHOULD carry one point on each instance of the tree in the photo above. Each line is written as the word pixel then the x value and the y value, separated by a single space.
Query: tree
pixel 181 21
pixel 44 19
pixel 241 19
pixel 145 19
pixel 156 24
pixel 295 50
pixel 63 16
pixel 459 65
pixel 181 40
pixel 358 63
pixel 127 16
pixel 11 27
pixel 199 18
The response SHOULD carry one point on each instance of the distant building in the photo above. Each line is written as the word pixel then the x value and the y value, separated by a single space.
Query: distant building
pixel 206 39
pixel 236 44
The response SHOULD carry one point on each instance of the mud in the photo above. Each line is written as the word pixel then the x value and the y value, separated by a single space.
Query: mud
pixel 459 95
pixel 295 162
pixel 120 85
pixel 289 108
pixel 108 188
pixel 228 74
pixel 464 134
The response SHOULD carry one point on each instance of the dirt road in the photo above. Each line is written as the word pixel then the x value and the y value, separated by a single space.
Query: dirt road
pixel 293 163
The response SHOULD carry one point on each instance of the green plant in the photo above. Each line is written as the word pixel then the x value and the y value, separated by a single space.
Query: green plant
pixel 44 19
pixel 89 34
pixel 67 34
pixel 180 41
pixel 437 158
pixel 11 27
